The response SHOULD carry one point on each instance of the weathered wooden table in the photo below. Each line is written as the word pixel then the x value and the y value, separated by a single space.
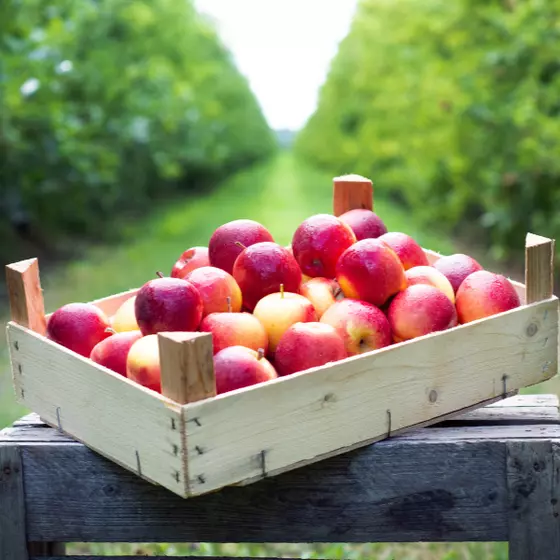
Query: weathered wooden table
pixel 489 475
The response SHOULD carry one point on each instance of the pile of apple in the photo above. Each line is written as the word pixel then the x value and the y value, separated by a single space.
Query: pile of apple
pixel 343 287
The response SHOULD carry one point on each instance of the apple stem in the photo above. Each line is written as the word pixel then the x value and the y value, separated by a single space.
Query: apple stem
pixel 160 274
pixel 260 354
pixel 228 299
pixel 239 244
pixel 111 330
pixel 282 291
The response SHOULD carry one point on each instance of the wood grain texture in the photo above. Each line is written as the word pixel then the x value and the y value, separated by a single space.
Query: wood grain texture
pixel 533 475
pixel 187 366
pixel 12 505
pixel 110 304
pixel 251 434
pixel 539 267
pixel 506 415
pixel 351 192
pixel 26 296
pixel 392 491
pixel 135 427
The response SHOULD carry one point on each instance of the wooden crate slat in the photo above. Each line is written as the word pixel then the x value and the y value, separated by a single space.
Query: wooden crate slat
pixel 110 304
pixel 378 493
pixel 132 426
pixel 251 434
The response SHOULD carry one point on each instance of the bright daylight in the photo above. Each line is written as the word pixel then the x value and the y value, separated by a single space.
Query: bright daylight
pixel 280 280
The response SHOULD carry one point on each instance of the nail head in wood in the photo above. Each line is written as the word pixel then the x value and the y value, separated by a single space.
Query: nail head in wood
pixel 26 296
pixel 187 366
pixel 351 192
pixel 539 267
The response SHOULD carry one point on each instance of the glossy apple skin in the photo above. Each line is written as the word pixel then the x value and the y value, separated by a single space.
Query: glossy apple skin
pixel 370 271
pixel 307 345
pixel 142 363
pixel 279 311
pixel 432 277
pixel 215 286
pixel 407 249
pixel 362 326
pixel 364 223
pixel 191 259
pixel 235 329
pixel 236 367
pixel 318 243
pixel 168 304
pixel 456 268
pixel 78 327
pixel 321 292
pixel 262 268
pixel 223 247
pixel 483 294
pixel 113 351
pixel 420 310
pixel 124 318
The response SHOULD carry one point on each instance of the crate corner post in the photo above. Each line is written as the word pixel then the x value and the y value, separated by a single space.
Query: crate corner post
pixel 25 294
pixel 539 267
pixel 351 192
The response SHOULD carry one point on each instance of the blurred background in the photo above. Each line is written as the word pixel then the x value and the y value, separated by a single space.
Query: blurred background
pixel 131 129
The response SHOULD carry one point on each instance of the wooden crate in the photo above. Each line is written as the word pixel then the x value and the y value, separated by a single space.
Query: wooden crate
pixel 192 442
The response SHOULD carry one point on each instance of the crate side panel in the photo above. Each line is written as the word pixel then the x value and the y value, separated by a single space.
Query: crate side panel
pixel 133 427
pixel 110 304
pixel 299 419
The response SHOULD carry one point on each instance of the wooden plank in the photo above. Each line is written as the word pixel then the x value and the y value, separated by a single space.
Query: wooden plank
pixel 351 192
pixel 26 296
pixel 110 304
pixel 13 544
pixel 187 366
pixel 299 419
pixel 539 267
pixel 133 426
pixel 393 491
pixel 533 469
pixel 530 401
pixel 495 416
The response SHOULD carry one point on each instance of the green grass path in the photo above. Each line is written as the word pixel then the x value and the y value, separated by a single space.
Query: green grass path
pixel 280 194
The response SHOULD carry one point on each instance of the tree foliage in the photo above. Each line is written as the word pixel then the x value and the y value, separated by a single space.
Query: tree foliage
pixel 454 107
pixel 107 104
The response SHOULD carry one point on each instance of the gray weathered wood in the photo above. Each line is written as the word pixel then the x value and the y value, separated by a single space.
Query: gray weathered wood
pixel 13 544
pixel 392 491
pixel 527 401
pixel 505 415
pixel 533 469
pixel 46 549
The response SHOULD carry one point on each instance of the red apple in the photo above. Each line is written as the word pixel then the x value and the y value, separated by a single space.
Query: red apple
pixel 191 259
pixel 235 329
pixel 279 311
pixel 370 271
pixel 364 223
pixel 456 268
pixel 318 242
pixel 321 292
pixel 168 304
pixel 228 240
pixel 431 276
pixel 142 363
pixel 236 367
pixel 483 294
pixel 308 345
pixel 362 326
pixel 218 289
pixel 78 327
pixel 262 268
pixel 420 310
pixel 408 251
pixel 113 351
